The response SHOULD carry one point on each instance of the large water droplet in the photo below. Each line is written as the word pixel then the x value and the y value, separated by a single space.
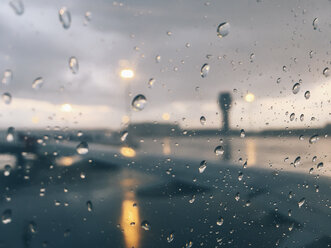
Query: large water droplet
pixel 73 65
pixel 219 150
pixel 297 161
pixel 6 216
pixel 65 17
pixel 10 134
pixel 7 77
pixel 171 237
pixel 302 117
pixel 139 102
pixel 307 94
pixel 89 206
pixel 315 23
pixel 203 120
pixel 82 148
pixel 296 88
pixel 219 221
pixel 6 98
pixel 292 116
pixel 204 70
pixel 145 225
pixel 17 6
pixel 313 139
pixel 320 165
pixel 37 83
pixel 242 133
pixel 223 29
pixel 203 166
pixel 326 72
pixel 301 202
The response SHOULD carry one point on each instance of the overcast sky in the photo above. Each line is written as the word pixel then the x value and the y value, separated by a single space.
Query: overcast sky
pixel 130 34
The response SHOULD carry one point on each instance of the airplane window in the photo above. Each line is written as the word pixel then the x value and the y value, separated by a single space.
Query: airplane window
pixel 175 123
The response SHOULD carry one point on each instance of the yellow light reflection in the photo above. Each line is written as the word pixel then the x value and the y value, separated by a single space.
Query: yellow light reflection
pixel 128 152
pixel 125 119
pixel 166 146
pixel 251 151
pixel 130 223
pixel 66 160
pixel 249 97
pixel 127 73
pixel 35 120
pixel 166 116
pixel 66 108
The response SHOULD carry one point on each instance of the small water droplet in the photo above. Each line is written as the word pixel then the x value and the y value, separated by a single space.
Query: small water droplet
pixel 242 133
pixel 82 175
pixel 314 159
pixel 89 206
pixel 278 80
pixel 223 29
pixel 307 94
pixel 252 57
pixel 171 237
pixel 32 227
pixel 151 82
pixel 203 166
pixel 297 161
pixel 204 70
pixel 237 196
pixel 219 150
pixel 326 72
pixel 17 6
pixel 240 176
pixel 302 117
pixel 292 116
pixel 284 68
pixel 158 59
pixel 37 83
pixel 88 17
pixel 145 225
pixel 301 202
pixel 296 88
pixel 315 23
pixel 290 228
pixel 139 102
pixel 320 165
pixel 6 216
pixel 203 120
pixel 311 170
pixel 6 97
pixel 220 221
pixel 313 139
pixel 7 77
pixel 82 148
pixel 73 65
pixel 7 170
pixel 124 135
pixel 65 17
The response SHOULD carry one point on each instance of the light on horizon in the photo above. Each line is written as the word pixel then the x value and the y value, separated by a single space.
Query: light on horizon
pixel 249 97
pixel 127 73
pixel 66 108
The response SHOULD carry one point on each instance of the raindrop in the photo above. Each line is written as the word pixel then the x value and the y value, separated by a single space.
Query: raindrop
pixel 307 94
pixel 320 165
pixel 82 148
pixel 223 29
pixel 302 117
pixel 73 65
pixel 252 57
pixel 278 80
pixel 189 244
pixel 315 23
pixel 297 161
pixel 203 120
pixel 301 202
pixel 145 225
pixel 240 176
pixel 326 72
pixel 237 196
pixel 6 97
pixel 10 134
pixel 88 17
pixel 284 68
pixel 82 175
pixel 290 228
pixel 139 102
pixel 7 170
pixel 158 59
pixel 313 139
pixel 65 17
pixel 296 88
pixel 37 83
pixel 124 135
pixel 151 82
pixel 89 206
pixel 219 150
pixel 314 159
pixel 203 166
pixel 7 77
pixel 6 216
pixel 17 6
pixel 242 133
pixel 311 170
pixel 171 237
pixel 204 70
pixel 292 116
pixel 220 221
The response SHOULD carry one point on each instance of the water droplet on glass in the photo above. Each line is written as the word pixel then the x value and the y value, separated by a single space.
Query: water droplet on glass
pixel 313 139
pixel 302 117
pixel 32 227
pixel 151 82
pixel 240 176
pixel 65 17
pixel 6 216
pixel 82 148
pixel 37 83
pixel 88 17
pixel 82 175
pixel 311 170
pixel 223 29
pixel 284 68
pixel 204 70
pixel 314 159
pixel 320 165
pixel 6 97
pixel 252 57
pixel 301 202
pixel 290 228
pixel 124 135
pixel 297 161
pixel 219 221
pixel 278 80
pixel 17 6
pixel 145 225
pixel 203 166
pixel 189 244
pixel 139 102
pixel 237 196
pixel 203 120
pixel 315 23
pixel 219 150
pixel 89 206
pixel 7 170
pixel 7 77
pixel 171 237
pixel 73 65
pixel 158 59
pixel 242 133
pixel 292 116
pixel 326 72
pixel 296 88
pixel 307 94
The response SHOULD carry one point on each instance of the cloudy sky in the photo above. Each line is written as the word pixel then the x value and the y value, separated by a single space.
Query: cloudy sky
pixel 131 34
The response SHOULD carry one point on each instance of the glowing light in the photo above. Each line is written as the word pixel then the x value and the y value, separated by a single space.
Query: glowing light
pixel 66 107
pixel 35 120
pixel 249 97
pixel 251 151
pixel 67 160
pixel 130 223
pixel 127 73
pixel 128 152
pixel 165 116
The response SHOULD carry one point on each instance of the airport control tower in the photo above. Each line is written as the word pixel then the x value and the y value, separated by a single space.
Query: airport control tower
pixel 224 101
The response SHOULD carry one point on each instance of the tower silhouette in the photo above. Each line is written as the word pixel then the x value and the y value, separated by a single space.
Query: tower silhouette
pixel 224 101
